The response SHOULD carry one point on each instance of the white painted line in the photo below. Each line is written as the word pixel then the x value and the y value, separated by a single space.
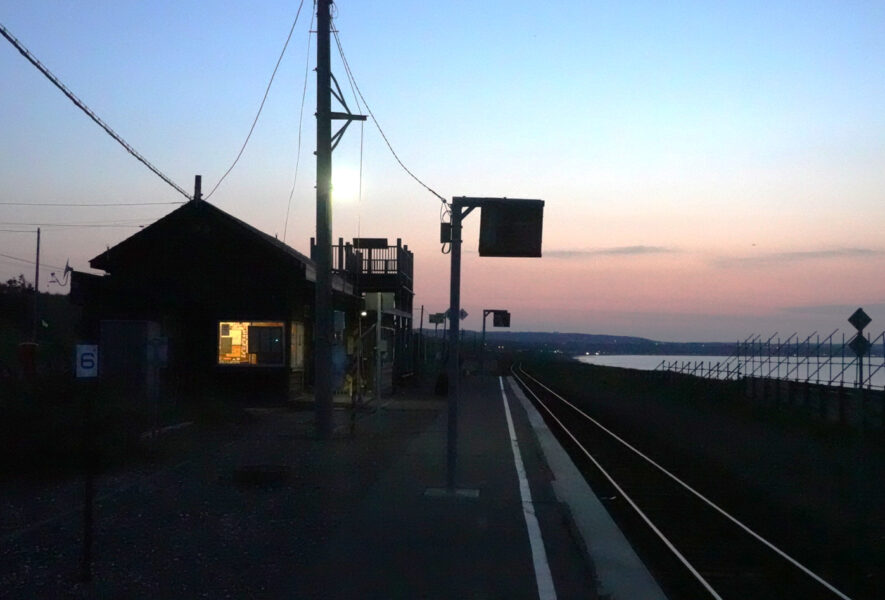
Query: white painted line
pixel 546 590
pixel 620 572
pixel 626 496
pixel 696 493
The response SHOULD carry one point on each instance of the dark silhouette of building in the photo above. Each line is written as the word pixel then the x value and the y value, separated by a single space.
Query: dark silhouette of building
pixel 201 303
pixel 383 275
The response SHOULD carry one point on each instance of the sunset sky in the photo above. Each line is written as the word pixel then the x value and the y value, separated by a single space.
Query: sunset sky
pixel 710 170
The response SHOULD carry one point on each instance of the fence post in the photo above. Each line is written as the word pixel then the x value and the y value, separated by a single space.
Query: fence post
pixel 882 411
pixel 823 397
pixel 862 407
pixel 841 396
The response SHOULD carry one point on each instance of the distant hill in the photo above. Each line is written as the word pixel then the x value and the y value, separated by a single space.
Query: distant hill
pixel 580 343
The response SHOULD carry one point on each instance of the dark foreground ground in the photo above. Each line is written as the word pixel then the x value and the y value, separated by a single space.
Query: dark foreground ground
pixel 257 507
pixel 818 491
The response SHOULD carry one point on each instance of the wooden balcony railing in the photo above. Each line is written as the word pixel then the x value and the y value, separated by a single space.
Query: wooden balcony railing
pixel 367 258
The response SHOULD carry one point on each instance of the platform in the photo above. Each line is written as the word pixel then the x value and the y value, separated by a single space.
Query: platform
pixel 266 510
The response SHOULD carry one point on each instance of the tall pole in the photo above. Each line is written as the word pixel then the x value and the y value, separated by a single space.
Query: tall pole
pixel 454 323
pixel 36 290
pixel 378 349
pixel 482 344
pixel 421 356
pixel 323 257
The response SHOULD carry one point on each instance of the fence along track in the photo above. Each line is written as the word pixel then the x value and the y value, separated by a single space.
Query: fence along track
pixel 580 415
pixel 814 359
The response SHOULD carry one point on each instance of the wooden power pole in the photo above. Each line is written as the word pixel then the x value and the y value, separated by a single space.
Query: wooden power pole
pixel 36 322
pixel 323 322
pixel 323 314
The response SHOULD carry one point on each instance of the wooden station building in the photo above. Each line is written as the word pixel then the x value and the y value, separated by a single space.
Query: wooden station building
pixel 200 303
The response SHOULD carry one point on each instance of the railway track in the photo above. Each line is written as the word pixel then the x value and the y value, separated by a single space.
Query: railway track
pixel 695 546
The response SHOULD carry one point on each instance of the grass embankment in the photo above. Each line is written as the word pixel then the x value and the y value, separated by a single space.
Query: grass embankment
pixel 580 380
pixel 42 425
pixel 42 414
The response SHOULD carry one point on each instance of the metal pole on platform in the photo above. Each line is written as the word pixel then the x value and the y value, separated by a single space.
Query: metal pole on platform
pixel 378 349
pixel 421 354
pixel 454 324
pixel 482 344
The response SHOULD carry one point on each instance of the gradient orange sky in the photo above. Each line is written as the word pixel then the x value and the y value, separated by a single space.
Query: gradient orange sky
pixel 709 172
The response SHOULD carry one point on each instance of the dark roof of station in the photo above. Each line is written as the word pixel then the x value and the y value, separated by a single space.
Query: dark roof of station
pixel 184 225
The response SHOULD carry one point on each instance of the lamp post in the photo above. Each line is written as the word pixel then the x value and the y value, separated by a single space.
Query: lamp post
pixel 508 227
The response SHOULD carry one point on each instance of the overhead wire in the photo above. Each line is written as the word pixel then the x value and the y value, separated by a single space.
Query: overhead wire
pixel 74 204
pixel 375 120
pixel 445 210
pixel 359 108
pixel 30 262
pixel 350 81
pixel 300 122
pixel 75 225
pixel 263 100
pixel 359 196
pixel 82 106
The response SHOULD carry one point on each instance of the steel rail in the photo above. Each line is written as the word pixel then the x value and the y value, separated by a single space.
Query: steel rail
pixel 687 487
pixel 621 491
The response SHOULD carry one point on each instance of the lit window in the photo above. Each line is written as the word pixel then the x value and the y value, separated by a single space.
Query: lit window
pixel 250 343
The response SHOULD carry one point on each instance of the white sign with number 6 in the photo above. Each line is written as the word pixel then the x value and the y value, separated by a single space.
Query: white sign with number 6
pixel 87 361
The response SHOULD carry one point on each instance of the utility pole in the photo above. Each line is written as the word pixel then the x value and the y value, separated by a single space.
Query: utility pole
pixel 323 332
pixel 421 336
pixel 323 257
pixel 454 324
pixel 36 291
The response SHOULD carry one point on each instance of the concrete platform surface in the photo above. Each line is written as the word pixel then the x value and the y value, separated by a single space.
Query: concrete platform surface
pixel 265 510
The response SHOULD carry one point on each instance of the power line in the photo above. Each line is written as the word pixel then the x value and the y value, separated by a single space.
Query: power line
pixel 300 122
pixel 30 262
pixel 263 100
pixel 350 78
pixel 72 204
pixel 374 120
pixel 75 225
pixel 79 103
